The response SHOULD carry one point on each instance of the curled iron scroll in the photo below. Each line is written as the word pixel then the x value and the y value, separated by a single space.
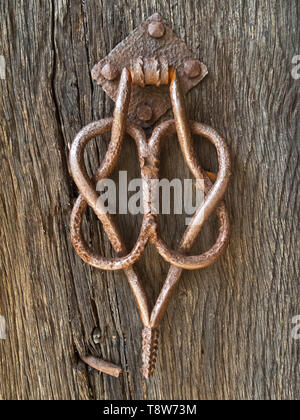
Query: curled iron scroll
pixel 149 158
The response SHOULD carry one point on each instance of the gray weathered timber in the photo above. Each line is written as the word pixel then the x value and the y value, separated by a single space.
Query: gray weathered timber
pixel 228 331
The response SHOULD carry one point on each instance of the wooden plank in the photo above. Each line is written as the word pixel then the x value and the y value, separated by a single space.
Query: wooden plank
pixel 228 331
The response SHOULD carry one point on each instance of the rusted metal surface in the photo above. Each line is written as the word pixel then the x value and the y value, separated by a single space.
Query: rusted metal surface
pixel 192 68
pixel 152 39
pixel 149 155
pixel 109 72
pixel 144 112
pixel 150 347
pixel 102 366
pixel 153 71
pixel 156 29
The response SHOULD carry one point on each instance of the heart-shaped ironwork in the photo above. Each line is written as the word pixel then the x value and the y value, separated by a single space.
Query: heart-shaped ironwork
pixel 149 157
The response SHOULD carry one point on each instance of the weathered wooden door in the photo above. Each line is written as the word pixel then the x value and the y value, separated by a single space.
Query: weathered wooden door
pixel 229 332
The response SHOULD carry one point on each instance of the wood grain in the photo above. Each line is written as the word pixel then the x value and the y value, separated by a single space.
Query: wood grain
pixel 228 331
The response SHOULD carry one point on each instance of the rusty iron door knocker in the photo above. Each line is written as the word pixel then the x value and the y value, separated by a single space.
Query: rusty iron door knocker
pixel 158 71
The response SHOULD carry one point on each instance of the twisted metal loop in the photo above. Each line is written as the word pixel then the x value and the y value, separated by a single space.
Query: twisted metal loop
pixel 149 154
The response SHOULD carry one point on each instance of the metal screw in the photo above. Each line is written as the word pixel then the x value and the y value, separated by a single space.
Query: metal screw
pixel 109 72
pixel 192 68
pixel 144 112
pixel 96 335
pixel 156 29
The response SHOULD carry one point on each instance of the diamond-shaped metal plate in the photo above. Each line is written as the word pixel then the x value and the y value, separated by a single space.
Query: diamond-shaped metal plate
pixel 140 44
